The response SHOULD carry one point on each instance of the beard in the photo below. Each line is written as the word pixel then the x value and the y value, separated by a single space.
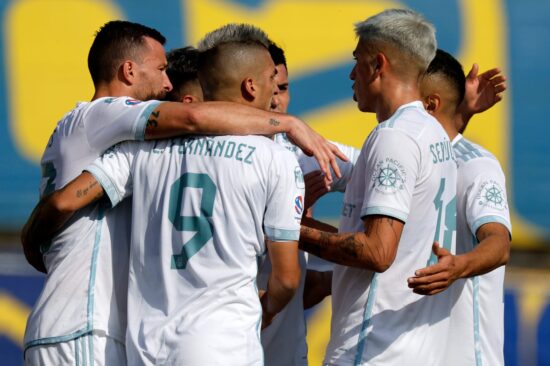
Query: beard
pixel 153 95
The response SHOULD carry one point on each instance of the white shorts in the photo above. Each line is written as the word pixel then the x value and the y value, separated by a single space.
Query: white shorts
pixel 95 349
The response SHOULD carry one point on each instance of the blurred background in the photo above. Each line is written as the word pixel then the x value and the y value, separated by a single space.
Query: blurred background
pixel 43 73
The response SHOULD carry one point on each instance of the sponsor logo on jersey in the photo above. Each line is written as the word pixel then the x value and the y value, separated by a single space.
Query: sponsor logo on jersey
pixel 492 195
pixel 389 176
pixel 299 205
pixel 299 178
pixel 132 101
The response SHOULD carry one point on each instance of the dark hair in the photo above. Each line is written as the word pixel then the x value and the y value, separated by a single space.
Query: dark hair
pixel 182 68
pixel 115 42
pixel 446 65
pixel 277 54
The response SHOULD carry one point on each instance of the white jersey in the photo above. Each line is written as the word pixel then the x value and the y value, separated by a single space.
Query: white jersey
pixel 309 163
pixel 201 208
pixel 86 284
pixel 284 341
pixel 406 171
pixel 477 318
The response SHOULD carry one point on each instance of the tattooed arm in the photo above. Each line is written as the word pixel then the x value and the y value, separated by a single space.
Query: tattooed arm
pixel 53 211
pixel 373 249
pixel 171 119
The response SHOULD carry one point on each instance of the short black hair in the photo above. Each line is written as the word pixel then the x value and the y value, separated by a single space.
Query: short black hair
pixel 277 54
pixel 448 66
pixel 182 68
pixel 115 42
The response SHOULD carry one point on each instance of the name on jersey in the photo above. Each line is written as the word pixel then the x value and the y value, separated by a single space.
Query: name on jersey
pixel 219 148
pixel 442 151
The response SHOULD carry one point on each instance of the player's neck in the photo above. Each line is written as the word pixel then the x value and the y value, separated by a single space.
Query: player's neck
pixel 111 90
pixel 396 95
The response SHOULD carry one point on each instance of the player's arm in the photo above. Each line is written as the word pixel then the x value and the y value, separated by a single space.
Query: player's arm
pixel 373 249
pixel 481 93
pixel 318 285
pixel 222 118
pixel 492 251
pixel 283 280
pixel 53 211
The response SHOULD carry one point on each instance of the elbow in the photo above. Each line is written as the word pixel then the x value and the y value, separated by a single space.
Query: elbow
pixel 60 205
pixel 289 282
pixel 381 266
pixel 380 263
pixel 505 256
pixel 192 118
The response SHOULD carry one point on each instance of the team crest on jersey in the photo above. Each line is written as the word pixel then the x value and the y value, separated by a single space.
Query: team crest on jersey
pixel 389 176
pixel 299 178
pixel 492 195
pixel 132 101
pixel 299 205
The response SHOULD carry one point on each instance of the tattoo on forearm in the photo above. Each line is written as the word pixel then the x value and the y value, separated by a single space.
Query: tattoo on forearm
pixel 350 246
pixel 83 192
pixel 274 122
pixel 152 121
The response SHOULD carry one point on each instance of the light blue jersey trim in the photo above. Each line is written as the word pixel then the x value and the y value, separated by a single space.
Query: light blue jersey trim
pixel 487 219
pixel 465 151
pixel 60 339
pixel 274 234
pixel 386 211
pixel 90 309
pixel 76 352
pixel 389 123
pixel 366 320
pixel 141 124
pixel 91 286
pixel 108 186
pixel 477 341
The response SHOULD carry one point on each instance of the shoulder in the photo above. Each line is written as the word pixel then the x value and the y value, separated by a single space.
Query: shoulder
pixel 473 155
pixel 412 123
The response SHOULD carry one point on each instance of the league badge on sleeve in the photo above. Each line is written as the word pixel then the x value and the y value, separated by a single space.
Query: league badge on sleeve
pixel 389 176
pixel 299 207
pixel 132 102
pixel 492 195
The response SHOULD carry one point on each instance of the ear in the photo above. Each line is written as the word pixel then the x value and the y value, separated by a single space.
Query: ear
pixel 128 72
pixel 432 103
pixel 381 63
pixel 248 89
pixel 188 98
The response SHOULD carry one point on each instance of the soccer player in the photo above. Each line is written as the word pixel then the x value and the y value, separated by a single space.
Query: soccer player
pixel 81 312
pixel 476 272
pixel 201 208
pixel 406 173
pixel 284 341
pixel 183 71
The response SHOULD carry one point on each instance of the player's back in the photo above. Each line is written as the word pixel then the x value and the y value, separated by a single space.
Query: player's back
pixel 201 207
pixel 406 171
pixel 477 317
pixel 77 296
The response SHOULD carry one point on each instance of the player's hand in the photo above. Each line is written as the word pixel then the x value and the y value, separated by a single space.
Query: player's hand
pixel 436 278
pixel 317 146
pixel 32 250
pixel 482 91
pixel 315 188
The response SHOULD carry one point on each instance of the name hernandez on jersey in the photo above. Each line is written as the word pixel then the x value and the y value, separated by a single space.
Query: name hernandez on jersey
pixel 206 208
